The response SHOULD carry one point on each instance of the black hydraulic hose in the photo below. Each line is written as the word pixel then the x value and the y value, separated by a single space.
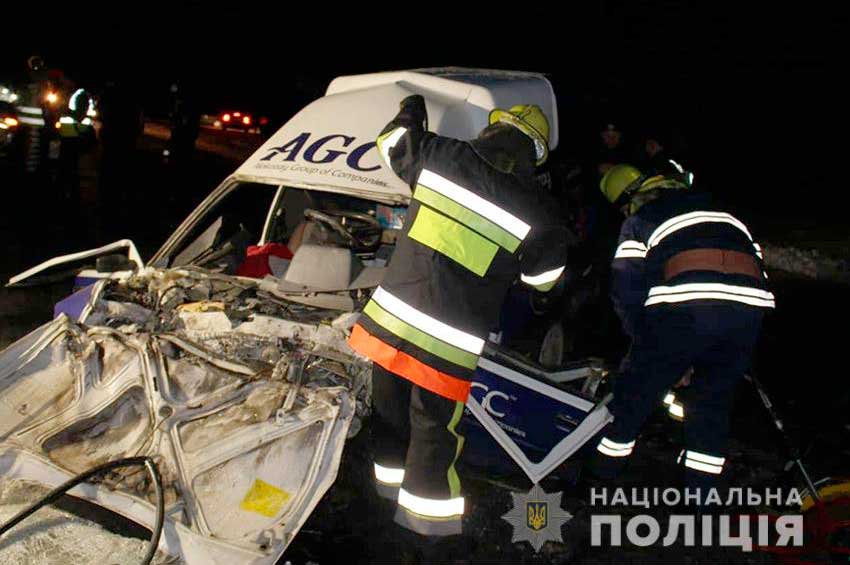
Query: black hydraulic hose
pixel 59 491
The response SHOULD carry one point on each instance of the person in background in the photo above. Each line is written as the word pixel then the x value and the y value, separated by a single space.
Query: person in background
pixel 660 150
pixel 185 119
pixel 611 147
pixel 77 136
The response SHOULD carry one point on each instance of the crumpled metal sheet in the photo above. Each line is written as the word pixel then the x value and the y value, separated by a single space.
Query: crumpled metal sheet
pixel 246 420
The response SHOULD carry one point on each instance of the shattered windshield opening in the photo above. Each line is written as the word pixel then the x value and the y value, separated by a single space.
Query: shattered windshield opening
pixel 224 232
pixel 256 230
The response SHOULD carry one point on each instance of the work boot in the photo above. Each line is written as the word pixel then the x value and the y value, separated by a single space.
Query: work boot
pixel 395 544
pixel 455 550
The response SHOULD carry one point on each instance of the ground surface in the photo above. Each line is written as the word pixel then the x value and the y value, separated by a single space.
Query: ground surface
pixel 801 361
pixel 54 536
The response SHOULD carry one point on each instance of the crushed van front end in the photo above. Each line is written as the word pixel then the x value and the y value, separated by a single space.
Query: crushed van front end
pixel 243 400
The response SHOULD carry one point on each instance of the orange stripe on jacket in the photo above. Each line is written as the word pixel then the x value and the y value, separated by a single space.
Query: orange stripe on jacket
pixel 404 365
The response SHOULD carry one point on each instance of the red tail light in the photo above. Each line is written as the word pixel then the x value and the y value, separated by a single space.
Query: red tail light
pixel 225 118
pixel 237 114
pixel 10 121
pixel 264 121
pixel 246 120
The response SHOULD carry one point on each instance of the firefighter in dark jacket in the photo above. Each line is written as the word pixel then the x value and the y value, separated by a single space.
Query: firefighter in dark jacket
pixel 689 286
pixel 476 224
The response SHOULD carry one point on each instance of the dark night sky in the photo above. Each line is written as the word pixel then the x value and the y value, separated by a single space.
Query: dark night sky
pixel 753 89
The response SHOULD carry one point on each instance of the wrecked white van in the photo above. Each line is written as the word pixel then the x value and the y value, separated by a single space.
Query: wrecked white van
pixel 223 357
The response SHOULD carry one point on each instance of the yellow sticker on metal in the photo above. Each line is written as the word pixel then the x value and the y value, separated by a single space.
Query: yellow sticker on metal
pixel 264 499
pixel 200 307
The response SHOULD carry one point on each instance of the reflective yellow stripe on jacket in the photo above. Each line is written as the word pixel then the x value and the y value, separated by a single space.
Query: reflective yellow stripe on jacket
pixel 422 330
pixel 462 225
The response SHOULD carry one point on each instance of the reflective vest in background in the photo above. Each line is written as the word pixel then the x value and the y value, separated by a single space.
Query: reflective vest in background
pixel 70 127
pixel 30 102
pixel 77 120
pixel 8 94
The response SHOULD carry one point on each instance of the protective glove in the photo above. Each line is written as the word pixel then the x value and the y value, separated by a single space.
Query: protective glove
pixel 414 103
pixel 414 107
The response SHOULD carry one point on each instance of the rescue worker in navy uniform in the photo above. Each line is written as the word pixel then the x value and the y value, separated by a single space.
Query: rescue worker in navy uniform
pixel 477 223
pixel 689 286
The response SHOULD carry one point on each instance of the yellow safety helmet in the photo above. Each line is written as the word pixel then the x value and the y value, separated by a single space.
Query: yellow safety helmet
pixel 530 120
pixel 621 179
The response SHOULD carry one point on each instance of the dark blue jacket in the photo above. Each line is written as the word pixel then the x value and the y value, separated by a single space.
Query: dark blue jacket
pixel 679 220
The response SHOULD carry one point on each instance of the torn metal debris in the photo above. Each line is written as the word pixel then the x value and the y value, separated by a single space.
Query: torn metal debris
pixel 243 401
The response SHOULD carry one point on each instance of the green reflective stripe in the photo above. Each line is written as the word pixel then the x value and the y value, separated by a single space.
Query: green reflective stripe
pixel 545 287
pixel 454 240
pixel 454 480
pixel 466 216
pixel 380 143
pixel 419 338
